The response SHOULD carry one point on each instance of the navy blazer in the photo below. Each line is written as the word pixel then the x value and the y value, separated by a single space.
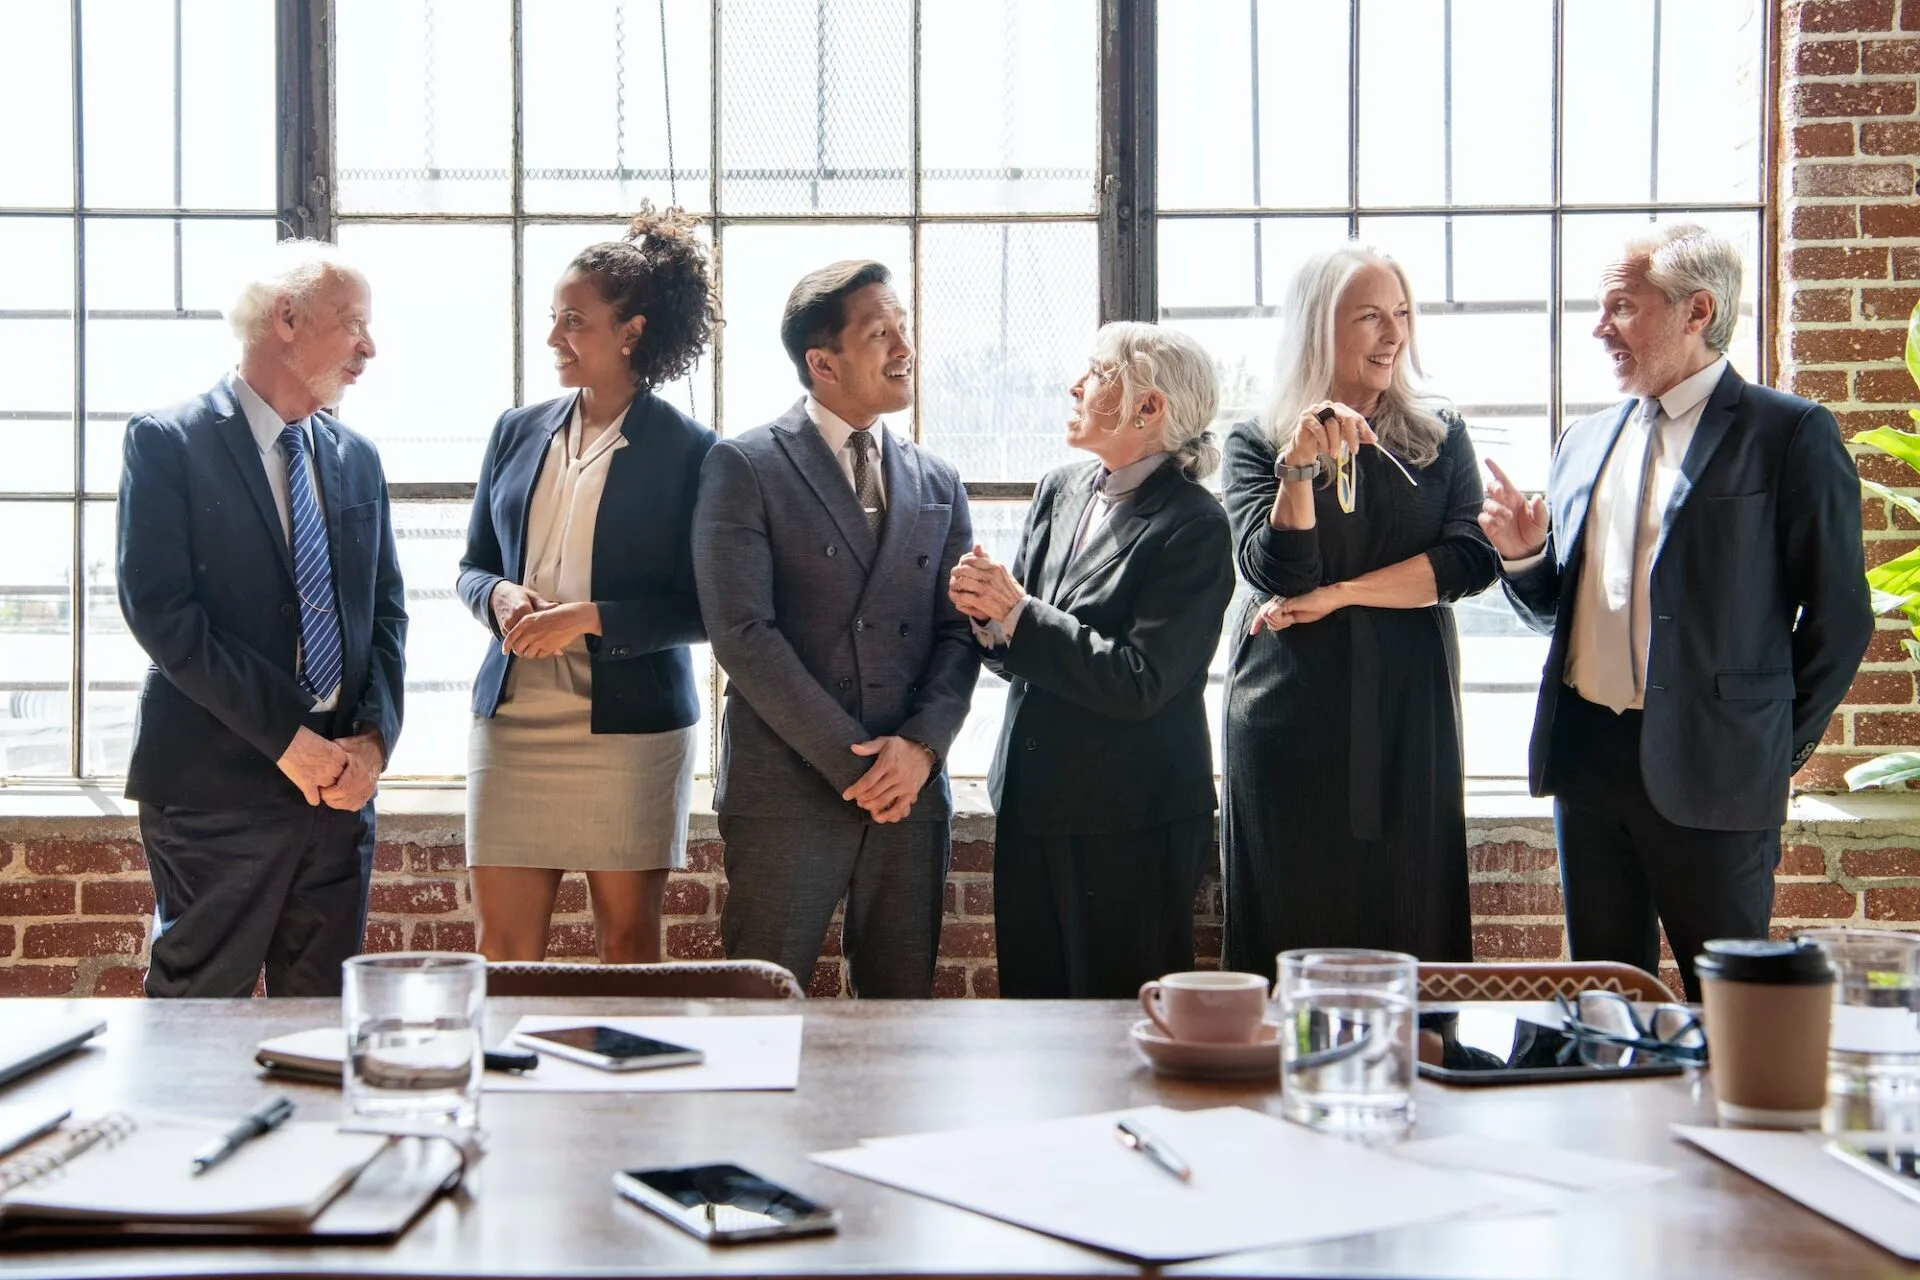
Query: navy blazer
pixel 642 559
pixel 206 586
pixel 1759 600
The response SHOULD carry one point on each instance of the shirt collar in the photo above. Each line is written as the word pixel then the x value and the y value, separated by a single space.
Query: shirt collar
pixel 262 421
pixel 1122 483
pixel 1689 392
pixel 836 430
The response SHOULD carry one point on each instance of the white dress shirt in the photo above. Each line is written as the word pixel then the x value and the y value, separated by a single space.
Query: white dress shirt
pixel 1595 617
pixel 266 426
pixel 838 433
pixel 562 514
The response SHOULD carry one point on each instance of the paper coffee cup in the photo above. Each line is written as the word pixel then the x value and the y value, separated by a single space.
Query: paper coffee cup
pixel 1768 1007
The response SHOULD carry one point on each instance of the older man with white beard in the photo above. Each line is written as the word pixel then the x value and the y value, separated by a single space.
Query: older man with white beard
pixel 257 570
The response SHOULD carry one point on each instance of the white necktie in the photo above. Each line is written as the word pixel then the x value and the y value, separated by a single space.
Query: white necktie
pixel 1617 666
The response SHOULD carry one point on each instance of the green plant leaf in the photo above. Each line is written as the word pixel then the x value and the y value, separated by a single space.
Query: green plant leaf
pixel 1913 649
pixel 1896 766
pixel 1913 346
pixel 1899 576
pixel 1904 445
pixel 1907 504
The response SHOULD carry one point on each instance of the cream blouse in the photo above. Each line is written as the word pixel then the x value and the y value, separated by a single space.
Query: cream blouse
pixel 560 524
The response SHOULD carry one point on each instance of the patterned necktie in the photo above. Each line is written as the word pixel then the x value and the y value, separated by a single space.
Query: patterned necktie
pixel 1617 662
pixel 866 480
pixel 312 575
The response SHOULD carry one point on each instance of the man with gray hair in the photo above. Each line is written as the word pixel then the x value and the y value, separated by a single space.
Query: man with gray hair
pixel 1697 561
pixel 257 570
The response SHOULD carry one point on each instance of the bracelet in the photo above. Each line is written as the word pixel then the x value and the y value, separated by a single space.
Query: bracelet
pixel 1284 473
pixel 932 755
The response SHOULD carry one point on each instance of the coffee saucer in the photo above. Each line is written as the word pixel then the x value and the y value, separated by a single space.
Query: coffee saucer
pixel 1257 1060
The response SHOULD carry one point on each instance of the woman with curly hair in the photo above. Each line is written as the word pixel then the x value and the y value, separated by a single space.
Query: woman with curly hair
pixel 579 562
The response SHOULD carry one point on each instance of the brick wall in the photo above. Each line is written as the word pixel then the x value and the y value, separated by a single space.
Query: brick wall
pixel 1850 275
pixel 76 909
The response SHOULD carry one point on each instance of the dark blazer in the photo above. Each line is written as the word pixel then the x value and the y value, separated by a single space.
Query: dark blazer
pixel 1759 600
pixel 643 679
pixel 1106 726
pixel 828 634
pixel 206 585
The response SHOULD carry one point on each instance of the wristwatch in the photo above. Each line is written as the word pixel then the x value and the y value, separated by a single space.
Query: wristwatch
pixel 1282 472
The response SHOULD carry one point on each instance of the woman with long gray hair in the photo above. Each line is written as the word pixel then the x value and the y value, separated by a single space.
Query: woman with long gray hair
pixel 1354 501
pixel 1103 779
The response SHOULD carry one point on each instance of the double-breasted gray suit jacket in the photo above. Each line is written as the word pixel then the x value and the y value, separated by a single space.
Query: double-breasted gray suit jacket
pixel 828 634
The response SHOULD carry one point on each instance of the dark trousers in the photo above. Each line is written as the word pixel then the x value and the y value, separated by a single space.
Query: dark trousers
pixel 1094 916
pixel 785 878
pixel 284 886
pixel 1625 870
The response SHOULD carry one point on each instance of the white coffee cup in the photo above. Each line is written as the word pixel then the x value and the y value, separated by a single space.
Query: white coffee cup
pixel 1207 1008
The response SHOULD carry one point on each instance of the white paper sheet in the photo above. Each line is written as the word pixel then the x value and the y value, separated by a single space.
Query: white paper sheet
pixel 1797 1165
pixel 1558 1167
pixel 742 1053
pixel 1257 1182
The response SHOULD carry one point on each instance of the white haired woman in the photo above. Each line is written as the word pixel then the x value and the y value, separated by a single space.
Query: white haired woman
pixel 1354 501
pixel 1103 779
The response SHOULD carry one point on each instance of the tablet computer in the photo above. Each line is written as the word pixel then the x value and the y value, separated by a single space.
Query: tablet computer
pixel 37 1042
pixel 1489 1045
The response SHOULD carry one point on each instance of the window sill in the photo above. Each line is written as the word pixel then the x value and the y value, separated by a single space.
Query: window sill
pixel 435 812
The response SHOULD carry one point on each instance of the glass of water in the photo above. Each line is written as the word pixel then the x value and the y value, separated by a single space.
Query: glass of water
pixel 413 1022
pixel 1873 1049
pixel 1347 1022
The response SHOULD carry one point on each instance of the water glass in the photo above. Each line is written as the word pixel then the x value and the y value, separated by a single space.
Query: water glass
pixel 414 1056
pixel 1873 1049
pixel 1347 1032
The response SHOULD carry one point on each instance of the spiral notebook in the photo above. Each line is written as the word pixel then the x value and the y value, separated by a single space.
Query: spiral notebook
pixel 119 1178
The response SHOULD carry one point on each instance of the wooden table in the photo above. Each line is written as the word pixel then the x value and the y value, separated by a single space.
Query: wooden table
pixel 541 1205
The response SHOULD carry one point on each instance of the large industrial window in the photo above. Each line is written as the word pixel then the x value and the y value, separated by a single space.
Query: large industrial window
pixel 1027 167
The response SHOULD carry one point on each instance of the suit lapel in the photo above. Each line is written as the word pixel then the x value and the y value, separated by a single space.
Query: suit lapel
pixel 1069 506
pixel 1586 471
pixel 816 465
pixel 1115 537
pixel 902 472
pixel 1714 421
pixel 237 434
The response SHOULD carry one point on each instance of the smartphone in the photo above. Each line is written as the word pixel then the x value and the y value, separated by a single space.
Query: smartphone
pixel 610 1048
pixel 725 1204
pixel 1897 1167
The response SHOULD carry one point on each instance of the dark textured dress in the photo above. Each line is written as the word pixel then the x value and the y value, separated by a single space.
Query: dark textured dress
pixel 1344 819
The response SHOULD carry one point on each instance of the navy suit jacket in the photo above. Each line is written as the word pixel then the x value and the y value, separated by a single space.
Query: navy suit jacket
pixel 1759 601
pixel 642 559
pixel 206 585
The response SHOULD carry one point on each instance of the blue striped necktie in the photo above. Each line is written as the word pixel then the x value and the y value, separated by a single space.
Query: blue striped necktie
pixel 312 574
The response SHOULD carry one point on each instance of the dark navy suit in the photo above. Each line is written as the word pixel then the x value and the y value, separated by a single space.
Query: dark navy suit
pixel 245 872
pixel 1760 616
pixel 643 678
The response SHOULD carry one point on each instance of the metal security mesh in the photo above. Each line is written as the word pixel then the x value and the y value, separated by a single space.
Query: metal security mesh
pixel 1008 315
pixel 829 133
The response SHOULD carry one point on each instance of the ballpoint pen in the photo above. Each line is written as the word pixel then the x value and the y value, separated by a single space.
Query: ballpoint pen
pixel 1134 1135
pixel 262 1119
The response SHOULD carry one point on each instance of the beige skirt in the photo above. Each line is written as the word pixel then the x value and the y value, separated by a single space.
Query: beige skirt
pixel 544 791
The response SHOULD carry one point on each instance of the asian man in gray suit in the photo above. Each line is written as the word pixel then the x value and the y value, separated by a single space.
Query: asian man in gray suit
pixel 822 545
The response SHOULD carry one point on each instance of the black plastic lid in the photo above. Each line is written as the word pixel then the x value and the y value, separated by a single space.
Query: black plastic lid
pixel 1765 961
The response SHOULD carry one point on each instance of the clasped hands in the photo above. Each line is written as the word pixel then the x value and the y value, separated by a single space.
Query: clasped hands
pixel 1281 612
pixel 340 773
pixel 532 626
pixel 982 589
